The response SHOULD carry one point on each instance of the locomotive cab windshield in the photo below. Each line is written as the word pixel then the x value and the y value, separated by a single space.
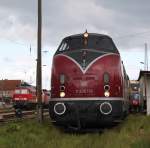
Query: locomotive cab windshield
pixel 21 91
pixel 94 42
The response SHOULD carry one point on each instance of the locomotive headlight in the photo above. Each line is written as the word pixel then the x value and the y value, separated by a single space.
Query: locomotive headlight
pixel 62 94
pixel 107 93
pixel 86 34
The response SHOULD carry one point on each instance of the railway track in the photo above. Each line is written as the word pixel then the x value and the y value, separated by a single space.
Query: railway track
pixel 7 110
pixel 6 117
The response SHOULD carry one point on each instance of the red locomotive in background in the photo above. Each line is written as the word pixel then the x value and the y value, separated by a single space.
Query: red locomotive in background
pixel 137 103
pixel 89 85
pixel 24 97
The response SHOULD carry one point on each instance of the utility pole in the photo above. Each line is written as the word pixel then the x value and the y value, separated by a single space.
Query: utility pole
pixel 39 61
pixel 146 59
pixel 2 90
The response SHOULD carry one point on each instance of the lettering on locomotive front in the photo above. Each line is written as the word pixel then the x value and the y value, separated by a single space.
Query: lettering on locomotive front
pixel 84 91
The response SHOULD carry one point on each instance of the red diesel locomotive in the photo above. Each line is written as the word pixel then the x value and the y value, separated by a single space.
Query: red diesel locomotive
pixel 89 85
pixel 136 97
pixel 24 97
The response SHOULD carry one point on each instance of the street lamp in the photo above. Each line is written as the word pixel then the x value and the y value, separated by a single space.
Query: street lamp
pixel 44 76
pixel 45 51
pixel 142 63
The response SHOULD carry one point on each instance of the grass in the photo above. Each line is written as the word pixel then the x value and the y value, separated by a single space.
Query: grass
pixel 134 132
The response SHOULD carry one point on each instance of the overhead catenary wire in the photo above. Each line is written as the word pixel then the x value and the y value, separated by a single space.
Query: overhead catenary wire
pixel 132 35
pixel 117 37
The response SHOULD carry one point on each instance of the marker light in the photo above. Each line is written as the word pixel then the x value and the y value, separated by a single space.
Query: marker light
pixel 62 79
pixel 62 94
pixel 106 87
pixel 106 93
pixel 106 78
pixel 62 88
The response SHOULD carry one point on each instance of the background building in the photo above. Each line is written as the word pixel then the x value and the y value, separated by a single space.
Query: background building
pixel 144 79
pixel 7 88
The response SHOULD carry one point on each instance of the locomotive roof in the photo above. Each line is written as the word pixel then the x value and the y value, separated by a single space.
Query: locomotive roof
pixel 90 34
pixel 25 87
pixel 95 40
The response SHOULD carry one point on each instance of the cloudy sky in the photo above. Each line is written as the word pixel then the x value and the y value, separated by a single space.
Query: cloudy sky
pixel 127 22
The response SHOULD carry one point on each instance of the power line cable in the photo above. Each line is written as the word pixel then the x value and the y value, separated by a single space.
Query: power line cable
pixel 132 35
